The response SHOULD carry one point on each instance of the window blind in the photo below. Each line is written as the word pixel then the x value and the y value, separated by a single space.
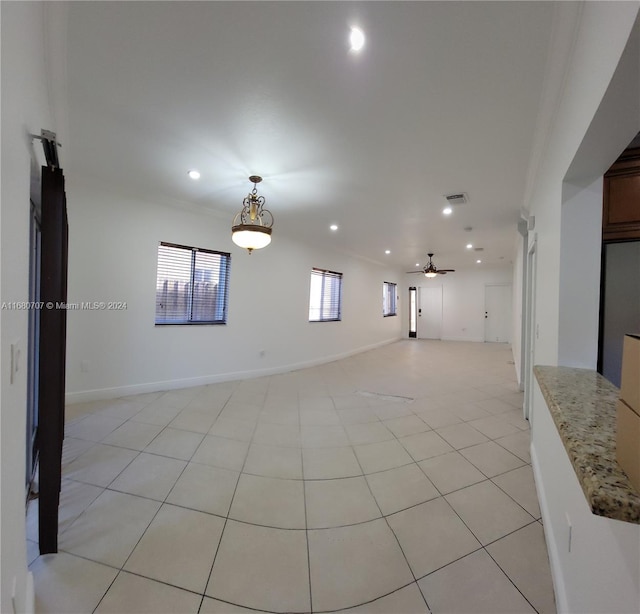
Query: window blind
pixel 325 296
pixel 192 285
pixel 389 297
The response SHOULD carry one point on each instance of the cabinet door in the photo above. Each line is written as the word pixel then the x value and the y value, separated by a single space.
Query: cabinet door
pixel 621 198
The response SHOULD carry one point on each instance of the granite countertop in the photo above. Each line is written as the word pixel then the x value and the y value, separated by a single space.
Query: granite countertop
pixel 583 406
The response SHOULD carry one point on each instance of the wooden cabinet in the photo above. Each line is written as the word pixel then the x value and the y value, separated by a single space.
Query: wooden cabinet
pixel 621 206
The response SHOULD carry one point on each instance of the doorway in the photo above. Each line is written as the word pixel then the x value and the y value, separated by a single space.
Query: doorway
pixel 497 313
pixel 430 313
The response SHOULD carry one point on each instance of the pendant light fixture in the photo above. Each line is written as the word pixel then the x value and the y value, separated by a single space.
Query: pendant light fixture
pixel 252 225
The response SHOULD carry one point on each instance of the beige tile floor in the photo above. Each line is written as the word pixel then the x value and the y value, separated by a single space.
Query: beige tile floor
pixel 396 481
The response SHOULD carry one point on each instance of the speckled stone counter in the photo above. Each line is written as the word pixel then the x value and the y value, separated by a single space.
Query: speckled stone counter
pixel 582 404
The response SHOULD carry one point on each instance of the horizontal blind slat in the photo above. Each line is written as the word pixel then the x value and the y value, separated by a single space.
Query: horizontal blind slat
pixel 173 284
pixel 389 296
pixel 325 295
pixel 191 285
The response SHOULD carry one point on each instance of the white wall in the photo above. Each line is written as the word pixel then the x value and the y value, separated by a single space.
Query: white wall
pixel 25 109
pixel 595 47
pixel 463 294
pixel 601 573
pixel 581 235
pixel 113 242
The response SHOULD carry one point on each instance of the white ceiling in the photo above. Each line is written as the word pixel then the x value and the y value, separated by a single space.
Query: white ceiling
pixel 443 98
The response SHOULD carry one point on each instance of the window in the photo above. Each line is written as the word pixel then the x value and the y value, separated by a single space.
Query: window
pixel 388 299
pixel 325 296
pixel 413 312
pixel 192 286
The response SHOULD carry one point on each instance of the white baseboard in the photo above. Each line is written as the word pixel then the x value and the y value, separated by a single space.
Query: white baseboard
pixel 100 394
pixel 562 604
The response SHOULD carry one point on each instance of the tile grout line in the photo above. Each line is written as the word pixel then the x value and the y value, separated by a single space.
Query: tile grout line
pixel 484 548
pixel 226 520
pixel 504 572
pixel 396 538
pixel 301 449
pixel 306 522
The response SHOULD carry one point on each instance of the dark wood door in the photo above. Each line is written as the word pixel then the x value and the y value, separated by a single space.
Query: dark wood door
pixel 52 353
pixel 621 201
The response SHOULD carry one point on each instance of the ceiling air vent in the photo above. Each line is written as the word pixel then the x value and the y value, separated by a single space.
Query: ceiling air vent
pixel 459 198
pixel 478 249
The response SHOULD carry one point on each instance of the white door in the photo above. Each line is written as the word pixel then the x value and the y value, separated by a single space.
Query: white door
pixel 497 314
pixel 430 313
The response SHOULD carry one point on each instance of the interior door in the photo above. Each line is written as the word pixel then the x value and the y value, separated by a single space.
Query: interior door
pixel 497 305
pixel 430 313
pixel 52 351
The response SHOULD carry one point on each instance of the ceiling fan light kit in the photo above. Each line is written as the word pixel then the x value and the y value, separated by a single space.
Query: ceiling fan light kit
pixel 431 271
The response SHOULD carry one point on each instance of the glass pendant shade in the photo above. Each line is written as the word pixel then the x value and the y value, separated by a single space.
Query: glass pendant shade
pixel 251 237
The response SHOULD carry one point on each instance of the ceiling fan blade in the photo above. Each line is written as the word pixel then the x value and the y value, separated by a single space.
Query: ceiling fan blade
pixel 443 271
pixel 422 272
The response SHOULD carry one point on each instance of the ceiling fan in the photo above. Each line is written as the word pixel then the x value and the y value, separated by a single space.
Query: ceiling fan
pixel 430 269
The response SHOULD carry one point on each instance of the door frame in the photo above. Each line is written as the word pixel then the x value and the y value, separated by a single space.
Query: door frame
pixel 529 339
pixel 33 349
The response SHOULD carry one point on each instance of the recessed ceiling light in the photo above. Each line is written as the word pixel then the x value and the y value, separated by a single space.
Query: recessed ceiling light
pixel 333 227
pixel 478 261
pixel 469 246
pixel 417 264
pixel 387 251
pixel 356 39
pixel 447 211
pixel 194 174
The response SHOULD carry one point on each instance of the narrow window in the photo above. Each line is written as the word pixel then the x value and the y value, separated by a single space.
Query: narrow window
pixel 192 285
pixel 325 296
pixel 389 297
pixel 413 313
